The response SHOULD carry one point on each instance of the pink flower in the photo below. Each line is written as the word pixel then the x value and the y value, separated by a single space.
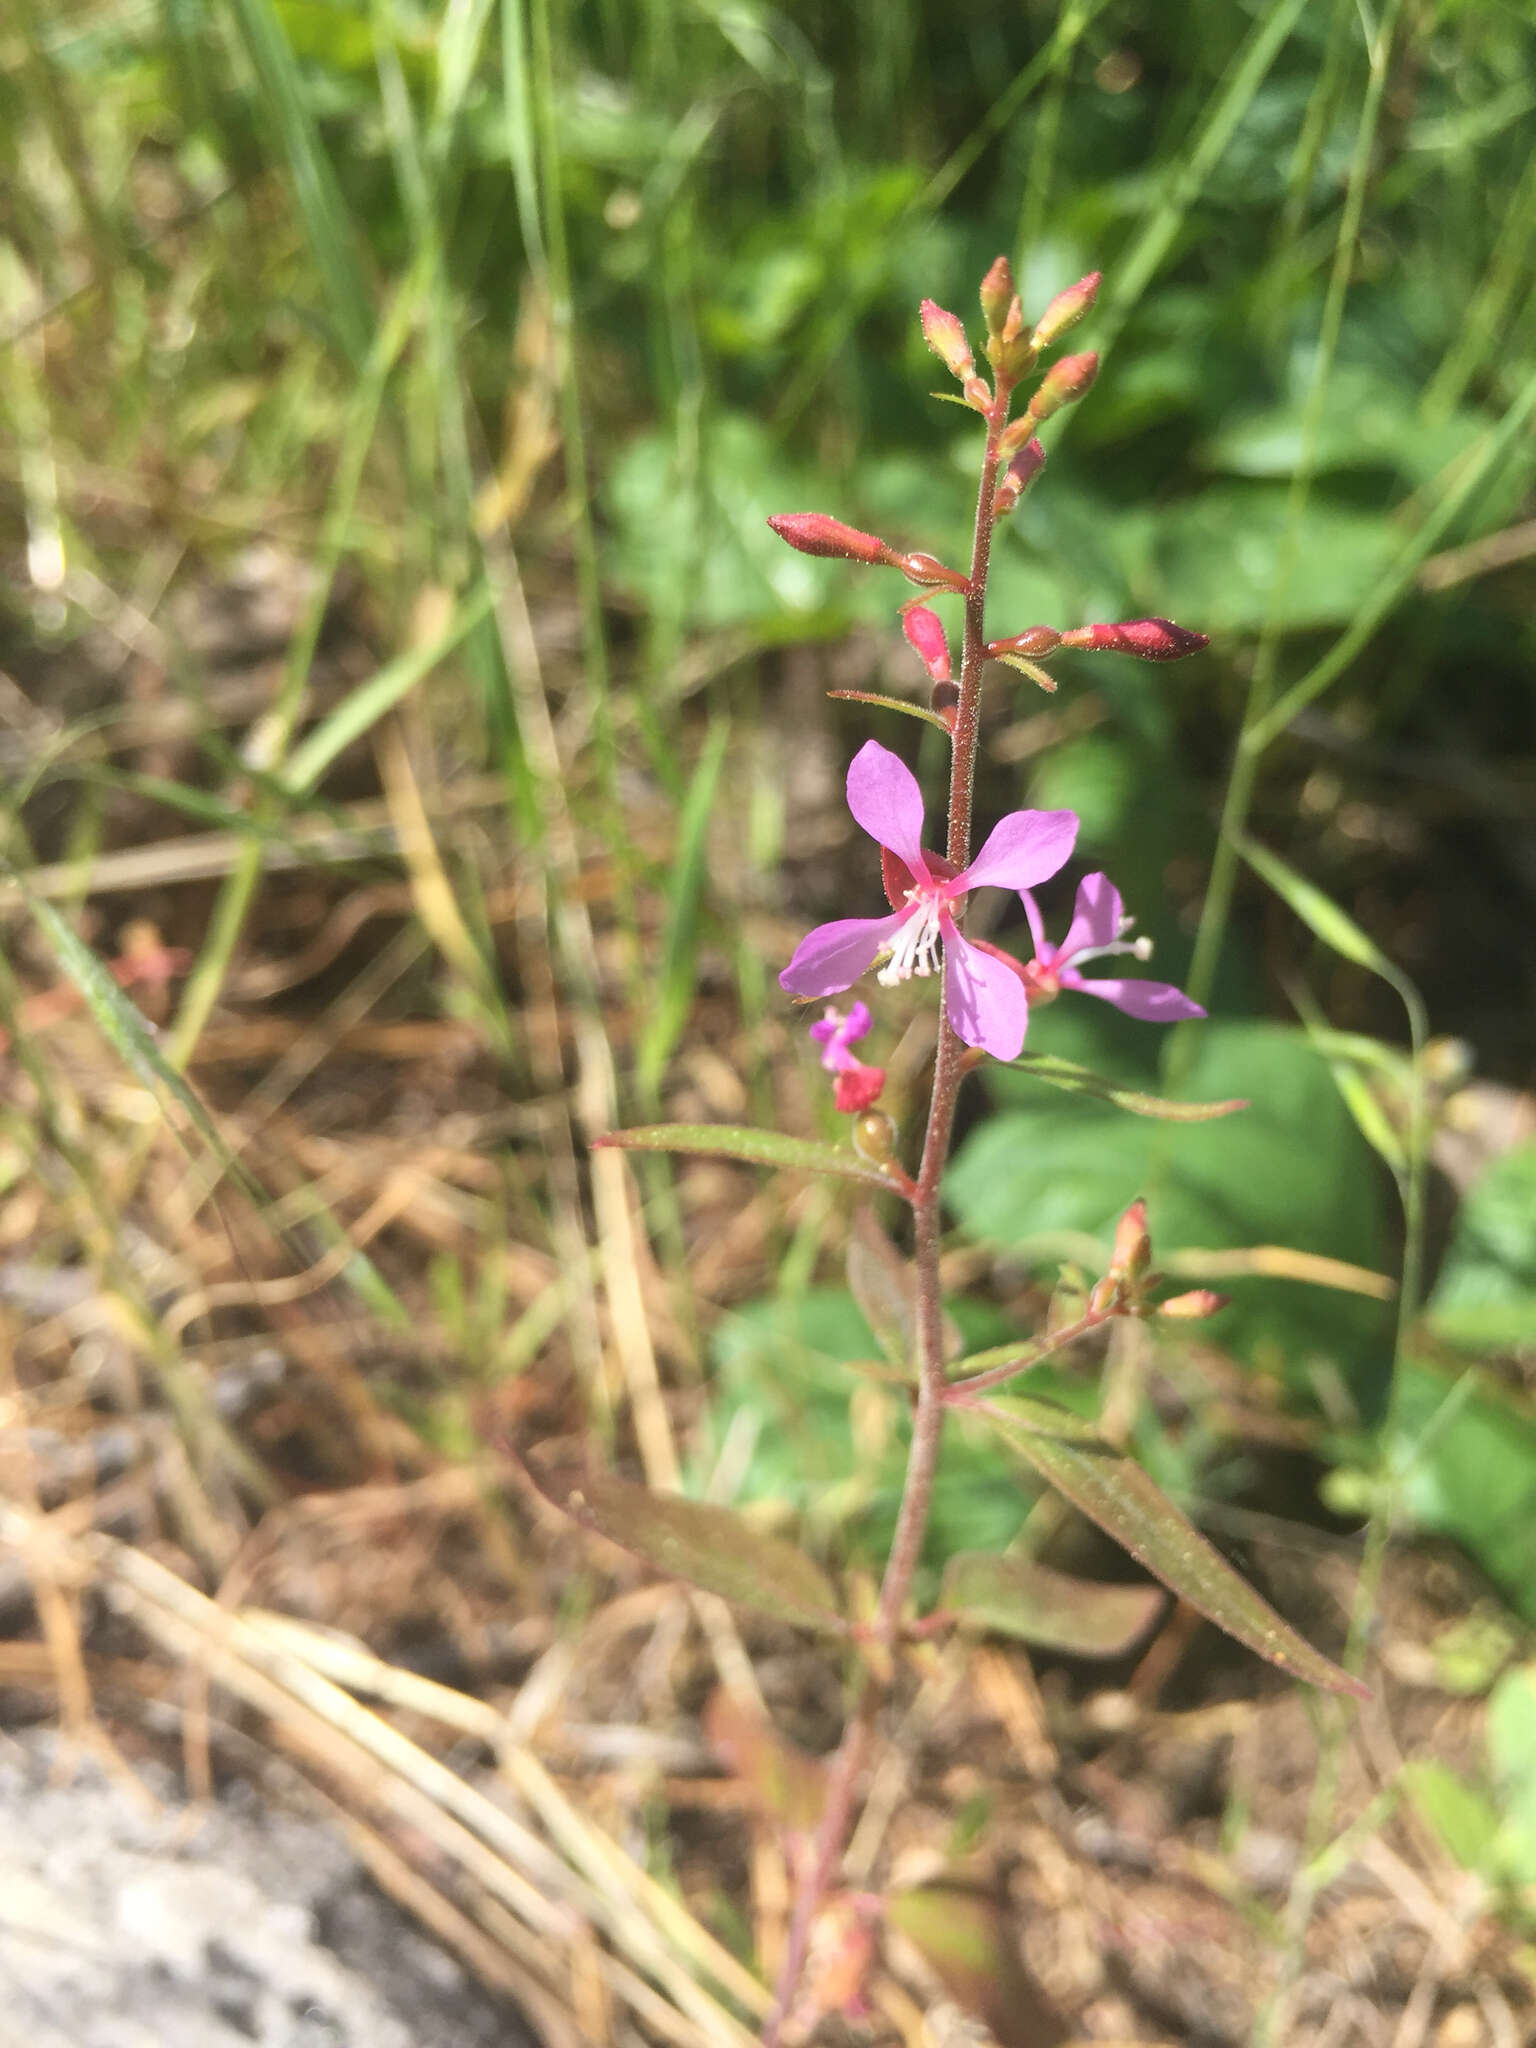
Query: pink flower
pixel 857 1087
pixel 986 998
pixel 1098 927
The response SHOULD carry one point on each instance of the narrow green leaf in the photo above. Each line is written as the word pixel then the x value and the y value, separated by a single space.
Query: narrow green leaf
pixel 760 1148
pixel 1318 912
pixel 1113 1491
pixel 894 704
pixel 361 709
pixel 1015 1596
pixel 702 1544
pixel 1078 1080
pixel 676 980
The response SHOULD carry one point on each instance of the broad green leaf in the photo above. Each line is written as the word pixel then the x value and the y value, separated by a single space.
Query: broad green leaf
pixel 1512 1754
pixel 758 1148
pixel 1211 559
pixel 1462 1816
pixel 1469 1447
pixel 1115 1492
pixel 788 1785
pixel 696 1541
pixel 1078 1080
pixel 1045 1172
pixel 965 1937
pixel 1015 1596
pixel 1486 1292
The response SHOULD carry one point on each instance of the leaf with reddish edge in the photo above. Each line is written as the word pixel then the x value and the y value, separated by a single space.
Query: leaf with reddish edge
pixel 965 1938
pixel 1015 1596
pixel 756 1148
pixel 1113 1491
pixel 693 1540
pixel 785 1783
pixel 1082 1081
pixel 893 704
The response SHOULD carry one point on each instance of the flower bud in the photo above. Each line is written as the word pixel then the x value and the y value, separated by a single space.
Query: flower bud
pixel 1149 639
pixel 946 701
pixel 978 394
pixel 818 533
pixel 1018 477
pixel 1066 309
pixel 926 636
pixel 1035 642
pixel 1132 1255
pixel 997 291
pixel 1200 1301
pixel 1104 1297
pixel 930 574
pixel 874 1138
pixel 1063 384
pixel 857 1089
pixel 945 335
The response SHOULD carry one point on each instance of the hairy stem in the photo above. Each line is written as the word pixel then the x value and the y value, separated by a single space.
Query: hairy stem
pixel 928 1418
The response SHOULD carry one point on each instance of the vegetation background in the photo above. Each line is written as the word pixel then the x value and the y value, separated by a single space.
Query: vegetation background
pixel 396 394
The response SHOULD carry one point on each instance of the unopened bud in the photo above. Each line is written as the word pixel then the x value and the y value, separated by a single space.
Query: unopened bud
pixel 1132 1254
pixel 1020 474
pixel 818 533
pixel 1066 309
pixel 946 701
pixel 978 394
pixel 926 636
pixel 997 290
pixel 1148 639
pixel 930 574
pixel 857 1088
pixel 945 335
pixel 1063 384
pixel 1034 642
pixel 874 1138
pixel 1200 1301
pixel 1105 1295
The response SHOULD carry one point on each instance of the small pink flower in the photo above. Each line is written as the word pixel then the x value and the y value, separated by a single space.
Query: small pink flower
pixel 857 1087
pixel 1098 928
pixel 986 997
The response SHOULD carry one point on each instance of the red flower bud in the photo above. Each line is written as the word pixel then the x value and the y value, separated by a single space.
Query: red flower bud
pixel 945 335
pixel 1036 641
pixel 929 574
pixel 1132 1254
pixel 1066 309
pixel 818 533
pixel 1018 477
pixel 925 635
pixel 1063 384
pixel 857 1089
pixel 1200 1301
pixel 997 291
pixel 1149 639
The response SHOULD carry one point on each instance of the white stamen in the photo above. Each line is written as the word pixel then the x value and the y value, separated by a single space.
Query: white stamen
pixel 914 949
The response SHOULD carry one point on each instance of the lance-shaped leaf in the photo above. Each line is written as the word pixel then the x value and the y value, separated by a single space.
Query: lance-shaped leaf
pixel 1015 1596
pixel 893 704
pixel 965 1938
pixel 757 1148
pixel 693 1540
pixel 1113 1491
pixel 1082 1081
pixel 786 1785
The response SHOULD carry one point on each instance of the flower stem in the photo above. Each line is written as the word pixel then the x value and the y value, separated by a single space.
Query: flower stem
pixel 928 1419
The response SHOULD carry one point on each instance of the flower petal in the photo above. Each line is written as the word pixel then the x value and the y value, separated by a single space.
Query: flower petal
pixel 1155 1002
pixel 1096 917
pixel 984 996
pixel 1036 928
pixel 833 956
pixel 1021 849
pixel 884 798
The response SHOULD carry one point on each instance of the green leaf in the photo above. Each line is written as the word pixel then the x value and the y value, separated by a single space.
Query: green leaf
pixel 1463 1817
pixel 1321 915
pixel 676 980
pixel 1113 1491
pixel 1015 1596
pixel 696 1541
pixel 1486 1292
pixel 1060 1073
pixel 965 1937
pixel 758 1148
pixel 1468 1449
pixel 894 704
pixel 1512 1754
